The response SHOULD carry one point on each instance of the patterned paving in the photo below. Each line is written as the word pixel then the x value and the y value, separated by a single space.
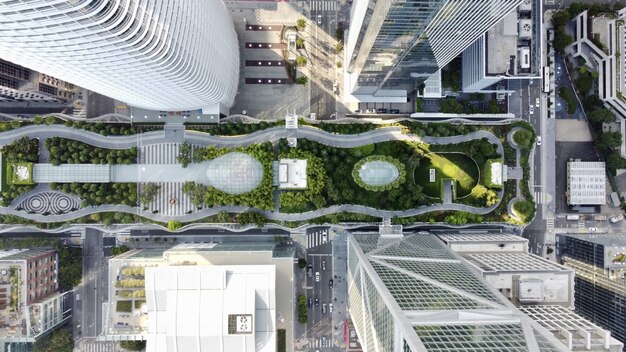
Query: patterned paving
pixel 50 202
pixel 171 200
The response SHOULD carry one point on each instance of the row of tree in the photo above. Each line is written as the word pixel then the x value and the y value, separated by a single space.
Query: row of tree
pixel 101 193
pixel 68 151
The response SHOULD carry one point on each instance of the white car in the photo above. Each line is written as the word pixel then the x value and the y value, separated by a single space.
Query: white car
pixel 330 307
pixel 319 19
pixel 324 237
pixel 370 111
pixel 317 276
pixel 593 229
pixel 531 110
pixel 538 140
pixel 537 102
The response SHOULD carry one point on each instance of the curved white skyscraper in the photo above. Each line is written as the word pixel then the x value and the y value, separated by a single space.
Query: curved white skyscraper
pixel 153 54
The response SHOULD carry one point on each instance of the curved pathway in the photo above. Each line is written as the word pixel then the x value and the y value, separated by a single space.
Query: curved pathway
pixel 271 134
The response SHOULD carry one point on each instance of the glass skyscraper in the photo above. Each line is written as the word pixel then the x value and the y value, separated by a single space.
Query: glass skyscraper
pixel 413 293
pixel 600 282
pixel 167 55
pixel 398 39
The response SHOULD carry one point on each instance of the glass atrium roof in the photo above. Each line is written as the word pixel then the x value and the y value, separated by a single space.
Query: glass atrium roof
pixel 235 173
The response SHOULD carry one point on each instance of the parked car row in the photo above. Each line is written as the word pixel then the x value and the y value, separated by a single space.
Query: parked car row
pixel 377 111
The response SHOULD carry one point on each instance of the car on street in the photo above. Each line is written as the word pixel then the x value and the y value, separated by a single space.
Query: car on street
pixel 323 265
pixel 394 111
pixel 324 236
pixel 335 88
pixel 324 308
pixel 309 270
pixel 330 307
pixel 538 140
pixel 331 283
pixel 536 102
pixel 593 229
pixel 616 219
pixel 381 111
pixel 310 302
pixel 370 111
pixel 531 109
pixel 317 276
pixel 319 19
pixel 317 301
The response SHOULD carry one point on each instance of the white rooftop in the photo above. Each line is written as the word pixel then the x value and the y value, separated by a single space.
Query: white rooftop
pixel 292 174
pixel 496 173
pixel 586 183
pixel 211 308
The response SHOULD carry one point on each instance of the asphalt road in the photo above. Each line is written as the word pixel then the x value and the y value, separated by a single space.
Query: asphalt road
pixel 323 100
pixel 94 290
pixel 319 325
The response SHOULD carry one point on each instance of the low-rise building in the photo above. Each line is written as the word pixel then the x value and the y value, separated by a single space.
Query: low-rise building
pixel 30 304
pixel 202 297
pixel 586 183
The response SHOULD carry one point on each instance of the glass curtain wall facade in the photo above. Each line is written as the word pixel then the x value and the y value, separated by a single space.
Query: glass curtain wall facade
pixel 397 39
pixel 412 293
pixel 152 54
pixel 600 282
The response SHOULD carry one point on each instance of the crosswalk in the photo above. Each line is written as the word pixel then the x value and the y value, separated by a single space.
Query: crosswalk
pixel 323 5
pixel 542 197
pixel 100 346
pixel 315 343
pixel 316 238
pixel 549 224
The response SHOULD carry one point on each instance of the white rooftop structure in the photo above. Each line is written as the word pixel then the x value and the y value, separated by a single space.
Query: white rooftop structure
pixel 496 173
pixel 586 183
pixel 576 332
pixel 211 308
pixel 520 276
pixel 292 174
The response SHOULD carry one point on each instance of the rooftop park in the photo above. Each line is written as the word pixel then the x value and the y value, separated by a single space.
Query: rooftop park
pixel 399 172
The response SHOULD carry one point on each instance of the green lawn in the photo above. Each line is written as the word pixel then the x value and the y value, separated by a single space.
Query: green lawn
pixel 13 177
pixel 457 166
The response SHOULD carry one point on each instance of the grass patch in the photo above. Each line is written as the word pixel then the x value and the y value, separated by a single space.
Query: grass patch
pixel 124 306
pixel 139 303
pixel 457 166
pixel 281 340
pixel 19 173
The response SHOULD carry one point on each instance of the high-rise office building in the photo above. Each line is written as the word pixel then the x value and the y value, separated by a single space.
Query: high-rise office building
pixel 600 282
pixel 413 293
pixel 153 54
pixel 396 40
pixel 539 287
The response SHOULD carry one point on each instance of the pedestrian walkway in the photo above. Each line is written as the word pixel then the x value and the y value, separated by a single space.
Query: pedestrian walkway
pixel 316 238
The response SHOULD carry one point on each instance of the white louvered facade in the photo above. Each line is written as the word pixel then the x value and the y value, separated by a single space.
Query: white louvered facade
pixel 166 55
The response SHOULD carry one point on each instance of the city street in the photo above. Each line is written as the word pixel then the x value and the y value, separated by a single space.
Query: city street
pixel 94 290
pixel 323 21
